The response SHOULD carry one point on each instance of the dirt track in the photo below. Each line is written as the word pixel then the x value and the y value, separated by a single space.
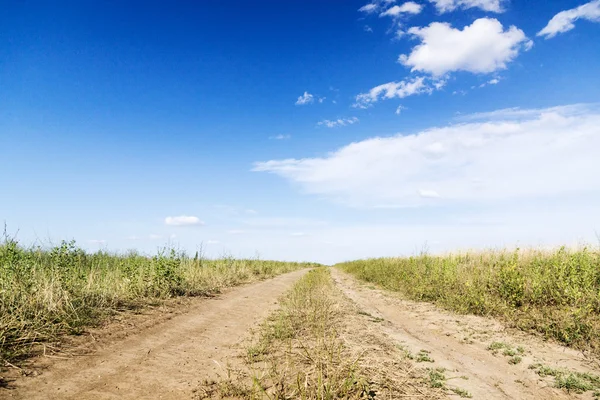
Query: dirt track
pixel 171 358
pixel 460 343
pixel 166 361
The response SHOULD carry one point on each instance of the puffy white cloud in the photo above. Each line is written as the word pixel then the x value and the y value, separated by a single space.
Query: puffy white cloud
pixel 482 47
pixel 183 220
pixel 410 7
pixel 306 98
pixel 338 122
pixel 280 137
pixel 540 153
pixel 486 5
pixel 399 109
pixel 565 20
pixel 391 90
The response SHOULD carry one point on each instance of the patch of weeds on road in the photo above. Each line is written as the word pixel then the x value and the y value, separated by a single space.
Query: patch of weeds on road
pixel 437 380
pixel 373 318
pixel 405 352
pixel 514 353
pixel 571 381
pixel 424 356
pixel 465 394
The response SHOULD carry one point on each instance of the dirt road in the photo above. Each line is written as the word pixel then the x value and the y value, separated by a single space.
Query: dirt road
pixel 460 344
pixel 166 361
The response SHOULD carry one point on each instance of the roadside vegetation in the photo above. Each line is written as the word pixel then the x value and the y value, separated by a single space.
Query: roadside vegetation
pixel 46 293
pixel 318 346
pixel 556 293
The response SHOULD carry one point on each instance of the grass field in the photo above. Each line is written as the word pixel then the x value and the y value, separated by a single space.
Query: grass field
pixel 45 293
pixel 556 293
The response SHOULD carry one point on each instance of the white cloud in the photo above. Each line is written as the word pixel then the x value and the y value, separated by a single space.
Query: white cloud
pixel 393 90
pixel 280 137
pixel 367 28
pixel 564 21
pixel 133 237
pixel 97 241
pixel 154 237
pixel 410 7
pixel 494 81
pixel 369 8
pixel 482 47
pixel 428 194
pixel 283 222
pixel 338 122
pixel 400 109
pixel 486 5
pixel 183 220
pixel 306 98
pixel 545 153
pixel 251 212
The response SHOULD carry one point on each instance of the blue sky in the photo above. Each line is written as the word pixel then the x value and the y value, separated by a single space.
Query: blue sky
pixel 301 130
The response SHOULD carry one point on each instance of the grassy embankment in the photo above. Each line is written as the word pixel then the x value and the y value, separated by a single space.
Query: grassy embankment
pixel 556 293
pixel 48 293
pixel 319 346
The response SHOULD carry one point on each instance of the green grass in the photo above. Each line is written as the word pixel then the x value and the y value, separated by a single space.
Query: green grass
pixel 571 381
pixel 556 292
pixel 46 293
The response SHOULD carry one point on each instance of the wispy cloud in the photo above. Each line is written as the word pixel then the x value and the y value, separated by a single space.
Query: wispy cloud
pixel 391 90
pixel 338 122
pixel 400 109
pixel 564 21
pixel 236 231
pixel 444 6
pixel 486 161
pixel 183 220
pixel 369 8
pixel 97 241
pixel 280 137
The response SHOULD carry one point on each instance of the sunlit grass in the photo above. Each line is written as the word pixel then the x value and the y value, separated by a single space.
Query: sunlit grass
pixel 45 293
pixel 555 292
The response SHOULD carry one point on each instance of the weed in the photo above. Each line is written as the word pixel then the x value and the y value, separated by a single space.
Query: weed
pixel 465 394
pixel 437 379
pixel 423 356
pixel 571 381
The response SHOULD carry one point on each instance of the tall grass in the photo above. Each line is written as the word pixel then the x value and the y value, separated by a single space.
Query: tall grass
pixel 555 292
pixel 45 293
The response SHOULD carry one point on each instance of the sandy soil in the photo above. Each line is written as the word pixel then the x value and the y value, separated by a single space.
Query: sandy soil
pixel 460 344
pixel 166 360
